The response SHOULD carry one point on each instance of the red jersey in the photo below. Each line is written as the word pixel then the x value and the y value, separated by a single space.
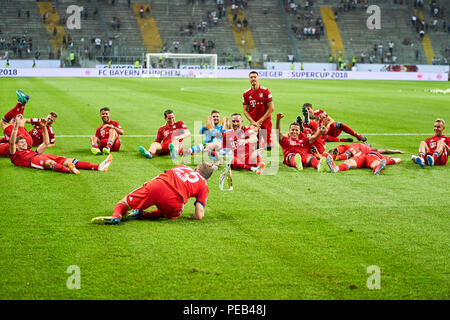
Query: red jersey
pixel 37 132
pixel 320 141
pixel 356 149
pixel 103 133
pixel 23 158
pixel 300 145
pixel 21 131
pixel 432 142
pixel 167 132
pixel 230 137
pixel 257 102
pixel 187 183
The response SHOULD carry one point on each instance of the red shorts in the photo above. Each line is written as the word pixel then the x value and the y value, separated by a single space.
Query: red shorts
pixel 333 131
pixel 4 149
pixel 157 193
pixel 114 147
pixel 165 147
pixel 243 159
pixel 21 132
pixel 441 160
pixel 38 161
pixel 365 160
pixel 304 158
pixel 265 132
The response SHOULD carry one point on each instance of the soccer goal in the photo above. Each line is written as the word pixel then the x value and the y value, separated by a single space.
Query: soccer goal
pixel 187 64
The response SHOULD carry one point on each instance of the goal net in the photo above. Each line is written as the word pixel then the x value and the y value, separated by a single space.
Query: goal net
pixel 186 64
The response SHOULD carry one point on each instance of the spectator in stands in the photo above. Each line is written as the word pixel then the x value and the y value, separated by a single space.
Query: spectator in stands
pixel 245 23
pixel 141 11
pixel 421 34
pixel 175 46
pixel 363 56
pixel 391 46
pixel 147 12
pixel 238 24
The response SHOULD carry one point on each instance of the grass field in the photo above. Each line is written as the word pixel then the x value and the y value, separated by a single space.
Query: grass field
pixel 291 235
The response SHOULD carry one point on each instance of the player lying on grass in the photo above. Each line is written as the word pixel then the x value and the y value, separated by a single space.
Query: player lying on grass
pixel 8 130
pixel 106 136
pixel 169 192
pixel 309 127
pixel 296 147
pixel 242 140
pixel 346 151
pixel 213 130
pixel 374 160
pixel 169 138
pixel 434 151
pixel 21 156
pixel 334 128
pixel 19 108
pixel 36 133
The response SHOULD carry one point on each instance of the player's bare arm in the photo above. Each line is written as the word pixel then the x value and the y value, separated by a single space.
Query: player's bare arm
pixel 209 123
pixel 118 130
pixel 249 117
pixel 199 211
pixel 225 125
pixel 46 140
pixel 186 133
pixel 389 151
pixel 12 139
pixel 320 131
pixel 278 126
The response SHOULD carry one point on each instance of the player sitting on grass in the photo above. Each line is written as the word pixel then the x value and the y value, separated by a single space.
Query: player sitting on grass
pixel 106 137
pixel 213 136
pixel 169 138
pixel 37 132
pixel 242 140
pixel 296 147
pixel 169 192
pixel 22 99
pixel 374 160
pixel 21 156
pixel 346 151
pixel 334 128
pixel 434 151
pixel 309 127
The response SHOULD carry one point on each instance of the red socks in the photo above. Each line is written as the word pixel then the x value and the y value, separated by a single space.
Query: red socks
pixel 119 210
pixel 343 167
pixel 60 168
pixel 86 166
pixel 18 109
pixel 348 130
pixel 314 162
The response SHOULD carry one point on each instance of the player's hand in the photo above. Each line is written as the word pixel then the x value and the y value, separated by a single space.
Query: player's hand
pixel 280 115
pixel 241 142
pixel 255 124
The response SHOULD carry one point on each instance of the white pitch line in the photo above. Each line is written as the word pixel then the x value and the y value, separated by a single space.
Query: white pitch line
pixel 154 135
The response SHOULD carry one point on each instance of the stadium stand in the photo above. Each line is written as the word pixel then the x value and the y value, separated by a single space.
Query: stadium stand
pixel 21 21
pixel 270 30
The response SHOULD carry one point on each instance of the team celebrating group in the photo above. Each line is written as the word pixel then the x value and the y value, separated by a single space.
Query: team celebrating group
pixel 303 146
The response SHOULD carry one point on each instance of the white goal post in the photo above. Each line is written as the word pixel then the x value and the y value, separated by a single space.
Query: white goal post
pixel 190 64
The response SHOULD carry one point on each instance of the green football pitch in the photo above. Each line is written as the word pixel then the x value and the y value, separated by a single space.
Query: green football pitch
pixel 290 235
